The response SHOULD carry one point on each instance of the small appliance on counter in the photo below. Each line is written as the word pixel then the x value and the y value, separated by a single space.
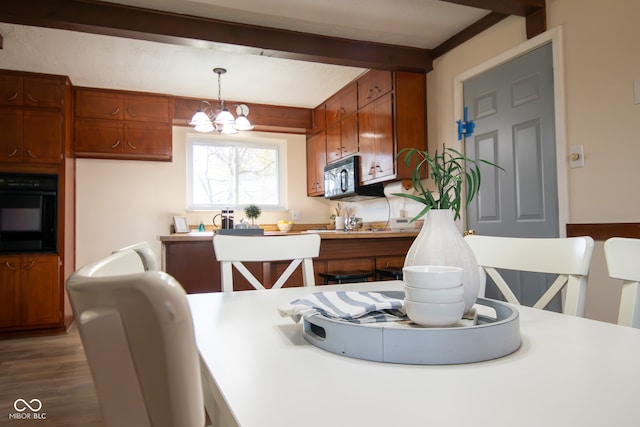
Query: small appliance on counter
pixel 226 222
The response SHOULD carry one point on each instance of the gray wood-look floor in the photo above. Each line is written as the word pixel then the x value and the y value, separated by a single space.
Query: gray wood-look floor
pixel 54 370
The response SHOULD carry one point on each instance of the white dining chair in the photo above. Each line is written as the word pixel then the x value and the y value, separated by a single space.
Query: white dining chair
pixel 137 333
pixel 233 251
pixel 147 255
pixel 569 258
pixel 623 262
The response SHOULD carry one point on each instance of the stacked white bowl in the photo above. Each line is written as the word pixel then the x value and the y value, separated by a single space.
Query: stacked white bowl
pixel 434 295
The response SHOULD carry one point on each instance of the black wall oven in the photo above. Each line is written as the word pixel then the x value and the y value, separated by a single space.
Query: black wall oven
pixel 28 213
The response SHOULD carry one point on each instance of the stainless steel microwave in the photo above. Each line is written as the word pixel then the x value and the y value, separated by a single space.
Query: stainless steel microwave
pixel 342 181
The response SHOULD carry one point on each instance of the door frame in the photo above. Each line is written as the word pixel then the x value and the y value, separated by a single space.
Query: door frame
pixel 554 36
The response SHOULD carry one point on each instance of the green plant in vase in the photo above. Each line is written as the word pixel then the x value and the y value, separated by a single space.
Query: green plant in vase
pixel 448 170
pixel 439 241
pixel 252 212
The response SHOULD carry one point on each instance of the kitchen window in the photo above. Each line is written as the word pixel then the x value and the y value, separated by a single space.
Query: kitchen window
pixel 225 172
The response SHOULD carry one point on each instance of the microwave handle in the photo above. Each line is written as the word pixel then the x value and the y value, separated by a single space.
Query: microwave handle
pixel 343 180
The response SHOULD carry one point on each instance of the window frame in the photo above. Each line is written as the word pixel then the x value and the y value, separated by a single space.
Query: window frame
pixel 236 141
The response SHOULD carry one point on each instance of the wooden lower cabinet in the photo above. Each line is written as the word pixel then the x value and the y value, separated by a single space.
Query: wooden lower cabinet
pixel 194 265
pixel 29 291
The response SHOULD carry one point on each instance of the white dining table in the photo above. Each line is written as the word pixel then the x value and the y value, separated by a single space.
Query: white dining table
pixel 259 371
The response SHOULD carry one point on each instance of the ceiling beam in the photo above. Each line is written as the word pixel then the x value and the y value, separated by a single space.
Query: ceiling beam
pixel 146 24
pixel 507 7
pixel 113 19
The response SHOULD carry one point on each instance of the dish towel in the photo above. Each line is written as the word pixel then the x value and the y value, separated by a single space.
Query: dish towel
pixel 355 307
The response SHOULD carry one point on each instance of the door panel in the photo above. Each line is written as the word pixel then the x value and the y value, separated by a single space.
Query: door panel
pixel 513 108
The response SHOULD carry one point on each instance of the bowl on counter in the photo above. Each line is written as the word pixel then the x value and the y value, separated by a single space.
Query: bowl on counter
pixel 285 226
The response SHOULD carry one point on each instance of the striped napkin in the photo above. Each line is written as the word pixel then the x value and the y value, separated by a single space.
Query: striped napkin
pixel 354 307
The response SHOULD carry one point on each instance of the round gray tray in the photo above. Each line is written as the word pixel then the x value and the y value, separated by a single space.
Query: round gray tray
pixel 489 338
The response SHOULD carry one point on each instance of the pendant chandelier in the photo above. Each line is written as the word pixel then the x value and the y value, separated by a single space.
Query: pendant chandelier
pixel 208 119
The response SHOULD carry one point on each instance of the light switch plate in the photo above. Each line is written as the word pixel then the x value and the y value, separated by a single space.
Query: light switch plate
pixel 296 215
pixel 576 156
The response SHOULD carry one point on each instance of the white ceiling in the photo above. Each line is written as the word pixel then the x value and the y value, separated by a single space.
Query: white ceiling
pixel 112 62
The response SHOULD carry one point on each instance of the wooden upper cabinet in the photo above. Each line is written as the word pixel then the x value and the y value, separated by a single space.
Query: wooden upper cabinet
pixel 319 118
pixel 373 85
pixel 316 161
pixel 377 152
pixel 99 104
pixel 122 125
pixel 11 90
pixel 42 92
pixel 147 108
pixel 342 103
pixel 32 117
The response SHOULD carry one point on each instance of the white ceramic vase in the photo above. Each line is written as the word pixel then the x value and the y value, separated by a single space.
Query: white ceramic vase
pixel 441 243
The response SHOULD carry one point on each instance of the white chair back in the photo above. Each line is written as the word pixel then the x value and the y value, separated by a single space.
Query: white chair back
pixel 569 258
pixel 149 259
pixel 623 261
pixel 137 333
pixel 232 251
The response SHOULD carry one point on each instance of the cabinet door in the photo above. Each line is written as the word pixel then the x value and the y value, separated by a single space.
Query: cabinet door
pixel 11 132
pixel 98 104
pixel 349 135
pixel 366 142
pixel 42 136
pixel 334 147
pixel 39 290
pixel 9 285
pixel 384 146
pixel 319 118
pixel 373 85
pixel 316 161
pixel 148 140
pixel 376 140
pixel 99 138
pixel 11 92
pixel 43 92
pixel 146 108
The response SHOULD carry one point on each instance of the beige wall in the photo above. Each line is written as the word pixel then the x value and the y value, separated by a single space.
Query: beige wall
pixel 120 202
pixel 600 63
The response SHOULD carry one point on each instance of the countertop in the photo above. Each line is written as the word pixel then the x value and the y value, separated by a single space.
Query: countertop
pixel 324 234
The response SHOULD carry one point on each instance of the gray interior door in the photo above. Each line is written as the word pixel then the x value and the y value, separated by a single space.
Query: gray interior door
pixel 513 108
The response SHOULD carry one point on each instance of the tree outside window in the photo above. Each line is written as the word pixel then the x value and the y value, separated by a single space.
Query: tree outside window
pixel 223 173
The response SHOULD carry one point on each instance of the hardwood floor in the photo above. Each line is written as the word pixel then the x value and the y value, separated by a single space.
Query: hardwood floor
pixel 54 370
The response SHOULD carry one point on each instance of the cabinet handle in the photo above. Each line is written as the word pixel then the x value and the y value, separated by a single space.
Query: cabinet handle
pixel 131 145
pixel 130 113
pixel 9 265
pixel 13 97
pixel 379 168
pixel 32 99
pixel 116 111
pixel 31 264
pixel 33 156
pixel 116 144
pixel 13 153
pixel 372 170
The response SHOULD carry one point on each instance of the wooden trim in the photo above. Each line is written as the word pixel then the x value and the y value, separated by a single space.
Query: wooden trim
pixel 160 26
pixel 166 27
pixel 536 23
pixel 604 231
pixel 268 118
pixel 468 33
pixel 511 7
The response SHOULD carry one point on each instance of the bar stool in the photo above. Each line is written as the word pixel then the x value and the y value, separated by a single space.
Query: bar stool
pixel 394 273
pixel 347 276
